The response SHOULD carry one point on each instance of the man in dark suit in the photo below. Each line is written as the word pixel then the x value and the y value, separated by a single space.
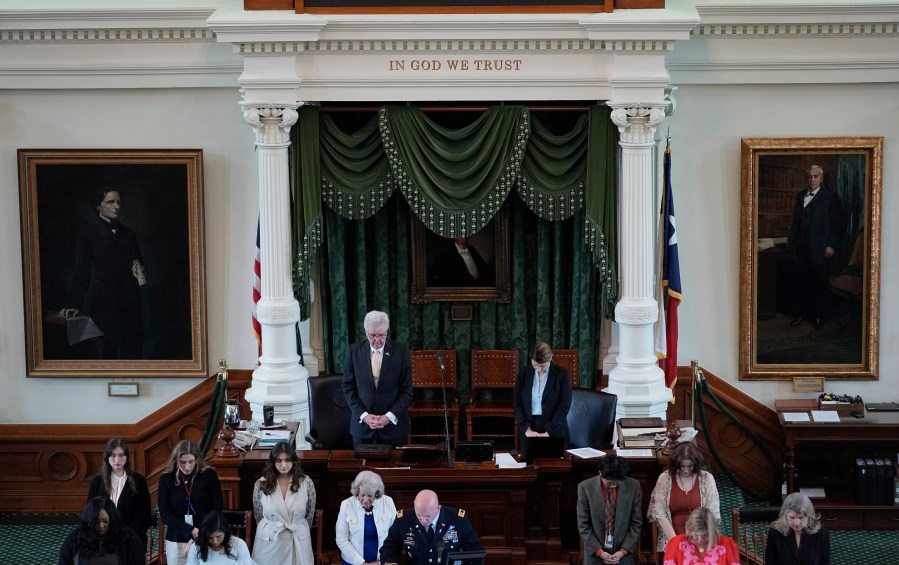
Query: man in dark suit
pixel 813 239
pixel 609 514
pixel 429 532
pixel 542 397
pixel 377 384
pixel 108 273
pixel 462 265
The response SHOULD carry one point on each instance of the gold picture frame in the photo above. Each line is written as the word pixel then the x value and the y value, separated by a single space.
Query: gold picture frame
pixel 88 312
pixel 810 263
pixel 438 275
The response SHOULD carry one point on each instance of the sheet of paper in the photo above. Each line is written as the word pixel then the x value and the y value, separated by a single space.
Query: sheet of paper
pixel 813 492
pixel 635 452
pixel 506 461
pixel 795 416
pixel 587 452
pixel 826 416
pixel 274 434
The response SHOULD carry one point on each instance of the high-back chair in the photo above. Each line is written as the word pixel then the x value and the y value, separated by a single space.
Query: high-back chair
pixel 429 412
pixel 568 358
pixel 329 413
pixel 750 526
pixel 591 419
pixel 492 370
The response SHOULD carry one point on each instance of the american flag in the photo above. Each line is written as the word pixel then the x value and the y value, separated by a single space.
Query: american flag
pixel 257 293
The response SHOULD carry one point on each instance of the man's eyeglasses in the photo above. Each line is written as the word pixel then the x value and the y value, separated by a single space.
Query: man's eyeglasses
pixel 376 336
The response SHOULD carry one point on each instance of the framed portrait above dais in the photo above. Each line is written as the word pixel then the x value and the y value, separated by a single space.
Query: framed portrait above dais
pixel 462 269
pixel 113 262
pixel 810 257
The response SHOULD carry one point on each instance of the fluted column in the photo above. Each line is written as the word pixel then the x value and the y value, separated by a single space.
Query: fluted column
pixel 637 379
pixel 279 380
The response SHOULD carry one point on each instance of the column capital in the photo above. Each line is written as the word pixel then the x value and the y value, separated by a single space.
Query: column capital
pixel 637 122
pixel 271 122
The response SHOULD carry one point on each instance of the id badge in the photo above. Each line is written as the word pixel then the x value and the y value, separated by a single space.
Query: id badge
pixel 609 541
pixel 188 519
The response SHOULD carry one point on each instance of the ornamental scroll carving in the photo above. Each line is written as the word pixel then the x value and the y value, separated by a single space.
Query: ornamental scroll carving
pixel 272 123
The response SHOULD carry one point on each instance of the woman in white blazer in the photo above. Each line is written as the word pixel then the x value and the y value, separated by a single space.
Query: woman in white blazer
pixel 364 520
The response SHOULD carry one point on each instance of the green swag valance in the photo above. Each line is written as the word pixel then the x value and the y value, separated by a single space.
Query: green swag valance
pixel 456 180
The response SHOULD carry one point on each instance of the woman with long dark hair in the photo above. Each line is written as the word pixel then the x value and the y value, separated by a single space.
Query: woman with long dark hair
pixel 101 538
pixel 127 490
pixel 189 489
pixel 284 505
pixel 216 546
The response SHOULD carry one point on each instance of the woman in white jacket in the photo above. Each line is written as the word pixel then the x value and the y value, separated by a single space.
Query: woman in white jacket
pixel 364 520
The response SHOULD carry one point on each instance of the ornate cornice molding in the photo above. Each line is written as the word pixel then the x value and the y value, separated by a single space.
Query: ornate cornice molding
pixel 118 35
pixel 796 31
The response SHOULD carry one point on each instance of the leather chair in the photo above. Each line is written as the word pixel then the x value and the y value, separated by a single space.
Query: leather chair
pixel 750 526
pixel 493 370
pixel 426 377
pixel 329 414
pixel 591 420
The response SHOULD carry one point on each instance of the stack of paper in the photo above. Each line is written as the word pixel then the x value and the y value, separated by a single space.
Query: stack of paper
pixel 270 438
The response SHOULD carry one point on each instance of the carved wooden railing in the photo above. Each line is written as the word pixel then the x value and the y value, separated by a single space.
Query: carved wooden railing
pixel 748 462
pixel 48 467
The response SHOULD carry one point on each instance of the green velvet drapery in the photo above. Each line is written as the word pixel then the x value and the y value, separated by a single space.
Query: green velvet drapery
pixel 455 180
pixel 365 265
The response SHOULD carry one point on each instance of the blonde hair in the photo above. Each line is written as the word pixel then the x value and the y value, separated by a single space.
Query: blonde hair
pixel 185 447
pixel 702 521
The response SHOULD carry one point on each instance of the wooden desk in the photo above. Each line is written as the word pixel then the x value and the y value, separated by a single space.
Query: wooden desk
pixel 520 515
pixel 876 431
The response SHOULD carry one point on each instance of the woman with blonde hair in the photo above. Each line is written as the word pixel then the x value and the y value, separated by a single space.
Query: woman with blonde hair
pixel 797 536
pixel 701 543
pixel 364 519
pixel 189 489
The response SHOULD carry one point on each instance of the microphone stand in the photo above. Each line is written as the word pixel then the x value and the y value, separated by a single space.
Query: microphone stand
pixel 449 455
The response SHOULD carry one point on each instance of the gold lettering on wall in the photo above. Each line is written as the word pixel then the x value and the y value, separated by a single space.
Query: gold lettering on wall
pixel 430 65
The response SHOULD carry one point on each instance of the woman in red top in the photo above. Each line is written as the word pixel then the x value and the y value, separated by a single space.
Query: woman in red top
pixel 702 543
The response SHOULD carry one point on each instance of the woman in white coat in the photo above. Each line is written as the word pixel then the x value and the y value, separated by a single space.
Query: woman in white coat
pixel 364 520
pixel 284 505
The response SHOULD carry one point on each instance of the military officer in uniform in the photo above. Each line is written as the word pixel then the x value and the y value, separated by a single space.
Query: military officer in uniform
pixel 429 532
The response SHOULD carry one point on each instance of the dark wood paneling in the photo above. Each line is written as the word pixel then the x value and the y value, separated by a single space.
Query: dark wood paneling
pixel 48 467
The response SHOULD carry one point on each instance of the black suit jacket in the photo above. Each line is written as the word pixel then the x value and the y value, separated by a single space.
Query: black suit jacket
pixel 102 274
pixel 205 496
pixel 133 506
pixel 556 400
pixel 449 269
pixel 393 394
pixel 815 226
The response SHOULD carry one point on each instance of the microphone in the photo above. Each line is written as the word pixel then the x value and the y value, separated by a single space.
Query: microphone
pixel 440 547
pixel 440 360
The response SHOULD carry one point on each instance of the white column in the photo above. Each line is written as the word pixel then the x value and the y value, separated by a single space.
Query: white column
pixel 279 380
pixel 636 378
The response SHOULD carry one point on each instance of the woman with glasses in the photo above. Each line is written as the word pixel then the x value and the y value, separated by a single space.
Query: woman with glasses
pixel 363 520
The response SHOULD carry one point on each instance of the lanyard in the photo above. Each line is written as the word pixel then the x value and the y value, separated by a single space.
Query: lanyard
pixel 188 491
pixel 611 496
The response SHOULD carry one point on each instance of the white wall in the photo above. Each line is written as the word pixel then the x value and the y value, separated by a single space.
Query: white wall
pixel 205 118
pixel 706 132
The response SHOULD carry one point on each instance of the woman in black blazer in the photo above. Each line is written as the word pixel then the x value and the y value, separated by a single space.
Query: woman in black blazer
pixel 127 489
pixel 796 537
pixel 542 396
pixel 188 490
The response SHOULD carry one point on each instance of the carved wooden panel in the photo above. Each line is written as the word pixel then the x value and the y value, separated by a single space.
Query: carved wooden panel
pixel 48 467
